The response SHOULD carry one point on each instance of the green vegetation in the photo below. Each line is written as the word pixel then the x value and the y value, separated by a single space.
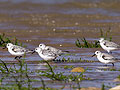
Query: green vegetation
pixel 103 87
pixel 19 75
pixel 19 72
pixel 118 77
pixel 86 44
pixel 68 67
pixel 68 60
pixel 4 40
pixel 83 43
pixel 49 73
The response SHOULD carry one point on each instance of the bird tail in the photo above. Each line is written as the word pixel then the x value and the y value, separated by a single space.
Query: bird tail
pixel 64 52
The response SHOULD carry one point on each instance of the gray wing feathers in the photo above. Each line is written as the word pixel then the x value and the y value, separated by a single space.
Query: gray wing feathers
pixel 108 57
pixel 16 48
pixel 49 53
pixel 111 44
pixel 54 50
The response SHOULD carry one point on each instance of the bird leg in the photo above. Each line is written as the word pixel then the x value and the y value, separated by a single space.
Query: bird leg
pixel 16 57
pixel 20 57
pixel 113 64
pixel 33 52
pixel 53 60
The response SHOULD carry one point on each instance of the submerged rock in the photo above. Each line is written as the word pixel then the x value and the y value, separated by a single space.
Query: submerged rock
pixel 78 69
pixel 115 88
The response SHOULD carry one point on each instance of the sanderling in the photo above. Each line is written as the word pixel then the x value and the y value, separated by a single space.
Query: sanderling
pixel 105 58
pixel 46 54
pixel 108 45
pixel 17 51
pixel 52 49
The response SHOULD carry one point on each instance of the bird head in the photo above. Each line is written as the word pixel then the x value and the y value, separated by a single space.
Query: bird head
pixel 101 39
pixel 42 46
pixel 96 53
pixel 9 45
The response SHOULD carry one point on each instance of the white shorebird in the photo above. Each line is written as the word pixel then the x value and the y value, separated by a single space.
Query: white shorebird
pixel 52 49
pixel 105 58
pixel 46 54
pixel 17 51
pixel 108 45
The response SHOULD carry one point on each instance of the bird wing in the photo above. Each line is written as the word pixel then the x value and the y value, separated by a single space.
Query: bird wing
pixel 54 50
pixel 49 53
pixel 111 44
pixel 106 56
pixel 16 48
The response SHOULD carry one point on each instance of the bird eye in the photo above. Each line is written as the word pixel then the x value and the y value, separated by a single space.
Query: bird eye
pixel 40 45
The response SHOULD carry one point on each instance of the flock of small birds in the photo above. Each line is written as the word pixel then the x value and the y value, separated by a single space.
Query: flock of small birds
pixel 51 53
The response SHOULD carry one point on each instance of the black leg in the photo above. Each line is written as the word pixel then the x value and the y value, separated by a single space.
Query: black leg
pixel 16 57
pixel 33 52
pixel 113 64
pixel 53 59
pixel 20 57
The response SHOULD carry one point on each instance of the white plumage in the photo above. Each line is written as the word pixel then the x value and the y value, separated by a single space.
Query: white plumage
pixel 108 46
pixel 52 49
pixel 105 58
pixel 17 50
pixel 46 54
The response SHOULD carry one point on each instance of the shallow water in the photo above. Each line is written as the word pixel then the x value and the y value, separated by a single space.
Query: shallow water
pixel 59 23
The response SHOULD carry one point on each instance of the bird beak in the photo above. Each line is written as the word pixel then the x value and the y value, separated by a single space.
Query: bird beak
pixel 33 52
pixel 98 41
pixel 93 55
